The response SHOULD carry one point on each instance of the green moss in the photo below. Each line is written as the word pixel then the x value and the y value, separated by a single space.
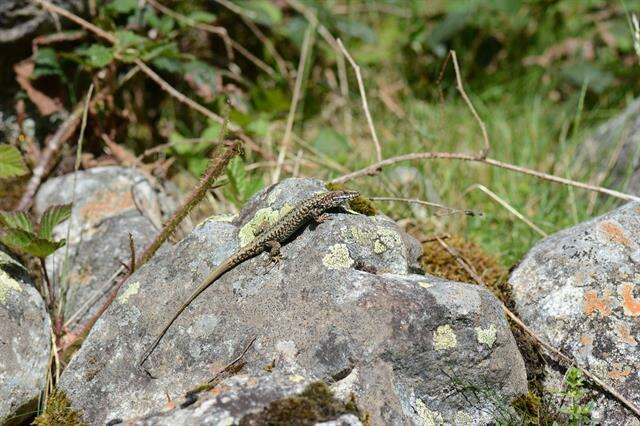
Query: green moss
pixel 315 404
pixel 58 412
pixel 361 204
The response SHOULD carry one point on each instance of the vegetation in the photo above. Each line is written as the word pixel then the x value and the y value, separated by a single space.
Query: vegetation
pixel 540 75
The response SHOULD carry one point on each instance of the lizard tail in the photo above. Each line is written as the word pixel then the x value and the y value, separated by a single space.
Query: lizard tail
pixel 210 279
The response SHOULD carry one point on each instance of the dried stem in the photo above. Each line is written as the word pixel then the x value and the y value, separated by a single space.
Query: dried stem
pixel 286 139
pixel 460 88
pixel 561 356
pixel 451 210
pixel 363 96
pixel 374 169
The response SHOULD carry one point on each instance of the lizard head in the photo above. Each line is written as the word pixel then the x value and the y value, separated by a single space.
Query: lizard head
pixel 337 198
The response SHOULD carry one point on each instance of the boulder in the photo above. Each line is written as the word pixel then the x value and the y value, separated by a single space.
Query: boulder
pixel 110 203
pixel 25 343
pixel 345 306
pixel 579 290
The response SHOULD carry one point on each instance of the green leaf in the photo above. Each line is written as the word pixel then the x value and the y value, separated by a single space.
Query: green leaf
pixel 52 217
pixel 202 16
pixel 259 127
pixel 16 239
pixel 97 55
pixel 197 165
pixel 263 12
pixel 163 24
pixel 164 63
pixel 11 163
pixel 118 7
pixel 16 220
pixel 41 247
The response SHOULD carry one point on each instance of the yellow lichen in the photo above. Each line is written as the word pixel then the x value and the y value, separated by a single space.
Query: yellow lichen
pixel 338 257
pixel 428 417
pixel 444 338
pixel 425 284
pixel 7 283
pixel 131 290
pixel 296 378
pixel 463 419
pixel 263 219
pixel 487 335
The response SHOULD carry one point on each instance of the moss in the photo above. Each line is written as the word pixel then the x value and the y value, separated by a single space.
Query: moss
pixel 361 204
pixel 58 412
pixel 315 404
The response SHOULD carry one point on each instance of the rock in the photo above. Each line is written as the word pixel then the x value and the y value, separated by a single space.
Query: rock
pixel 577 289
pixel 613 150
pixel 247 400
pixel 22 18
pixel 343 306
pixel 25 343
pixel 110 203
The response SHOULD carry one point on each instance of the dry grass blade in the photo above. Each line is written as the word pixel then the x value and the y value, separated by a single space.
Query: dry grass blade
pixel 460 87
pixel 286 140
pixel 363 96
pixel 507 206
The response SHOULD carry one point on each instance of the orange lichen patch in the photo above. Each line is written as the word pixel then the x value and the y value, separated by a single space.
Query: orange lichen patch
pixel 630 304
pixel 624 334
pixel 592 303
pixel 615 233
pixel 107 203
pixel 586 340
pixel 619 372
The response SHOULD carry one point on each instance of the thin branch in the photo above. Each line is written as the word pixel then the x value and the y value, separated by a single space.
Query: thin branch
pixel 363 96
pixel 286 140
pixel 374 169
pixel 451 210
pixel 564 358
pixel 460 87
pixel 507 206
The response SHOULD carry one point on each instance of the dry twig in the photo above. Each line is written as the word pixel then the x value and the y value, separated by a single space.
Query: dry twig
pixel 450 210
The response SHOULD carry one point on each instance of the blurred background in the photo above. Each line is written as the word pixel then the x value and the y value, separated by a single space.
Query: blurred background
pixel 542 76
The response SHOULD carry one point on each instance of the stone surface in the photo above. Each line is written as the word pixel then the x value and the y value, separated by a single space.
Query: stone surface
pixel 235 398
pixel 614 150
pixel 110 203
pixel 343 305
pixel 25 343
pixel 578 289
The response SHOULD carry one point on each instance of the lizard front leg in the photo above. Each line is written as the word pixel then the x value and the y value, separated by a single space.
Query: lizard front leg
pixel 275 255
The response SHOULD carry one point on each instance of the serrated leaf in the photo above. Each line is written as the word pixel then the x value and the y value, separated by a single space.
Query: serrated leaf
pixel 11 163
pixel 16 239
pixel 41 247
pixel 163 24
pixel 97 55
pixel 16 220
pixel 52 217
pixel 167 64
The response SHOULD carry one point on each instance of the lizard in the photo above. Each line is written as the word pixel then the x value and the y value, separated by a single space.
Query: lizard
pixel 313 208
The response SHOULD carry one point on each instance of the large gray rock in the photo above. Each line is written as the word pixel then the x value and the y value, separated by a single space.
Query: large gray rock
pixel 342 306
pixel 613 151
pixel 25 343
pixel 578 289
pixel 243 399
pixel 110 203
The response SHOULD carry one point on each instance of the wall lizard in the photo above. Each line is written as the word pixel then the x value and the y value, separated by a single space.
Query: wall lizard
pixel 312 208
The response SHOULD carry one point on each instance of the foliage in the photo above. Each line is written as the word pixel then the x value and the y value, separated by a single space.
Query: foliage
pixel 58 412
pixel 241 186
pixel 20 234
pixel 11 163
pixel 575 407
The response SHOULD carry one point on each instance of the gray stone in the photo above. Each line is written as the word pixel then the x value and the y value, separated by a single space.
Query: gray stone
pixel 343 305
pixel 236 398
pixel 110 203
pixel 578 289
pixel 614 150
pixel 25 343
